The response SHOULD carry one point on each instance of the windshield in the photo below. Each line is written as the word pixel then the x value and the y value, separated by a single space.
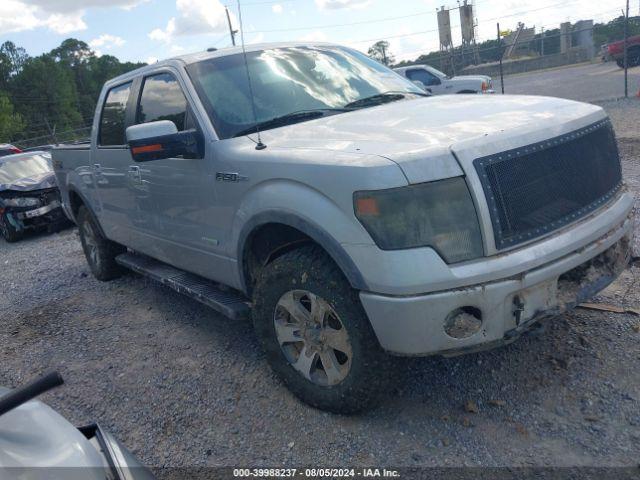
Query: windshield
pixel 23 166
pixel 288 80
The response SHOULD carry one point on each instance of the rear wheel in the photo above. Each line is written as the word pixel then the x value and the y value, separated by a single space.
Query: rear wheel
pixel 100 253
pixel 8 231
pixel 315 333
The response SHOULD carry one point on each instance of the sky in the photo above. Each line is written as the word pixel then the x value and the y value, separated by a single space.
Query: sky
pixel 151 30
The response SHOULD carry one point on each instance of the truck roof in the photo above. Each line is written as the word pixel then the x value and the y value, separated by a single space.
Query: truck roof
pixel 190 58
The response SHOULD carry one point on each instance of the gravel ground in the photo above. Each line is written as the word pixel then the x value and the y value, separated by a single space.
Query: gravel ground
pixel 182 386
pixel 587 83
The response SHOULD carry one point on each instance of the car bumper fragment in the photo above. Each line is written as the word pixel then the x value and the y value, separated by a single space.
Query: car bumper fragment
pixel 415 325
pixel 38 212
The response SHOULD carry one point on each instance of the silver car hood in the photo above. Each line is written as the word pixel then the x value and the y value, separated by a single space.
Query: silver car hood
pixel 421 134
pixel 34 435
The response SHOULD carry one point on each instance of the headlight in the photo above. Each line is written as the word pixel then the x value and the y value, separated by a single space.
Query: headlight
pixel 438 214
pixel 22 202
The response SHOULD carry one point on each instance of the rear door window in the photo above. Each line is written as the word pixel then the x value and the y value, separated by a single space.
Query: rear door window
pixel 112 123
pixel 162 99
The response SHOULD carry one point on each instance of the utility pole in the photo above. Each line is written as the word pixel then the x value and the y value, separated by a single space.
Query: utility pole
pixel 384 55
pixel 232 32
pixel 626 55
pixel 542 43
pixel 501 53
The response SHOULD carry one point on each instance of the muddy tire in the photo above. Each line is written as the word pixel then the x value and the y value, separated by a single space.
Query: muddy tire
pixel 100 253
pixel 316 335
pixel 8 231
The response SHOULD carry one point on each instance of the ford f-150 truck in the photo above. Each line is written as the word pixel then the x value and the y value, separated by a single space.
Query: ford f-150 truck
pixel 436 82
pixel 349 213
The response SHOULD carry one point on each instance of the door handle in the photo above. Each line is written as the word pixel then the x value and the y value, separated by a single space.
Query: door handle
pixel 134 172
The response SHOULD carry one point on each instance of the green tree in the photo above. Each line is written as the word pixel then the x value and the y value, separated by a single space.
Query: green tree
pixel 12 59
pixel 55 91
pixel 10 122
pixel 16 55
pixel 45 95
pixel 380 51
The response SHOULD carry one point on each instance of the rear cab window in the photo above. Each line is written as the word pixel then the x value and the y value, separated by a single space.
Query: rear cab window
pixel 113 118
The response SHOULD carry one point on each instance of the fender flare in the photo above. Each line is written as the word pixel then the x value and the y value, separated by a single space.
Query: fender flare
pixel 318 235
pixel 86 204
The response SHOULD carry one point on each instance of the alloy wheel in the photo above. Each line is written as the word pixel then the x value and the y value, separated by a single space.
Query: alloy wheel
pixel 312 337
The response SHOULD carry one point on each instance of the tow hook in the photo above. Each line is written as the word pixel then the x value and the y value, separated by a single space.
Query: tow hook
pixel 518 309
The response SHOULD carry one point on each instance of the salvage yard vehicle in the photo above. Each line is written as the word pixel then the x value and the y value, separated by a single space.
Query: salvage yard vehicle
pixel 29 196
pixel 8 149
pixel 615 51
pixel 37 442
pixel 350 214
pixel 436 82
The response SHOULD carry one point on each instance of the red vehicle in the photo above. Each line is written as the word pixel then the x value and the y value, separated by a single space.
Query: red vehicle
pixel 616 51
pixel 8 149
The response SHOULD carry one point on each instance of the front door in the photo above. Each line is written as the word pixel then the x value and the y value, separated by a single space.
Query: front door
pixel 175 196
pixel 432 83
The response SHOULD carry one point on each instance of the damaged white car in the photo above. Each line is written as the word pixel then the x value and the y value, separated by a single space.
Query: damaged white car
pixel 29 196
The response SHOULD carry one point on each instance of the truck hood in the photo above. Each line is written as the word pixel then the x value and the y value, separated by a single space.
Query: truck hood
pixel 421 135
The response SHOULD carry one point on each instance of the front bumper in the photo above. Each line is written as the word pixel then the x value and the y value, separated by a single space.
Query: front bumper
pixel 414 325
pixel 51 214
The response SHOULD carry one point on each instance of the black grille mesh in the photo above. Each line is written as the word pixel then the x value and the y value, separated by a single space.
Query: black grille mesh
pixel 538 188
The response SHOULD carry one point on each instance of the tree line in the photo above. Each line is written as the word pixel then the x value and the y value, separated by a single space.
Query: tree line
pixel 52 97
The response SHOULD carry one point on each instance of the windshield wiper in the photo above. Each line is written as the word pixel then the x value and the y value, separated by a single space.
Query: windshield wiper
pixel 380 98
pixel 291 118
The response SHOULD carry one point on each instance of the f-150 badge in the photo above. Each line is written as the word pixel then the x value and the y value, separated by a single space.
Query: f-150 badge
pixel 230 177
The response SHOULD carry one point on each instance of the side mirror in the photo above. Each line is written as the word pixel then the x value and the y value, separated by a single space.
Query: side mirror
pixel 419 83
pixel 161 139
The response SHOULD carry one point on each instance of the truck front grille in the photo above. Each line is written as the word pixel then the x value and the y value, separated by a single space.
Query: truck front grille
pixel 539 188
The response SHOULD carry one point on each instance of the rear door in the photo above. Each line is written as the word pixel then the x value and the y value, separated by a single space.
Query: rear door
pixel 111 160
pixel 175 196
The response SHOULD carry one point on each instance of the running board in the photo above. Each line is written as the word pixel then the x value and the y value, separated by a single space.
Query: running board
pixel 227 302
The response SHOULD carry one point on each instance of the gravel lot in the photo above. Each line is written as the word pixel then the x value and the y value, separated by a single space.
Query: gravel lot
pixel 182 386
pixel 588 83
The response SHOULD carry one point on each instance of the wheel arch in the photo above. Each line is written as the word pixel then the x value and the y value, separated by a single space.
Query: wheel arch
pixel 77 200
pixel 306 233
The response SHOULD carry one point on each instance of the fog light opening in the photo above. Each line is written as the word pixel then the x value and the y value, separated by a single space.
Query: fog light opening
pixel 463 322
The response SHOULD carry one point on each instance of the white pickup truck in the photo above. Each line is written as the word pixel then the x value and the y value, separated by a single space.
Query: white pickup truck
pixel 364 219
pixel 436 82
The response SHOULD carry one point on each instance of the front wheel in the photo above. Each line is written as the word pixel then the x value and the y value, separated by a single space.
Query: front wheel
pixel 315 333
pixel 8 231
pixel 100 253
